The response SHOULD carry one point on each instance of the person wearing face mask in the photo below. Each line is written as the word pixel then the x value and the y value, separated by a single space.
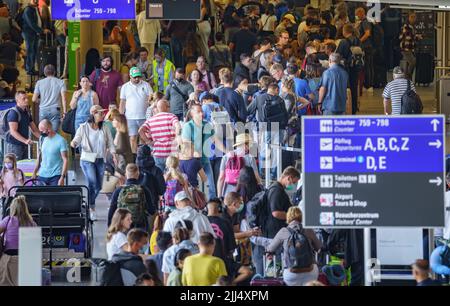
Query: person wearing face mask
pixel 95 140
pixel 202 135
pixel 163 71
pixel 135 97
pixel 227 181
pixel 106 82
pixel 234 206
pixel 279 202
pixel 10 176
pixel 52 162
pixel 177 93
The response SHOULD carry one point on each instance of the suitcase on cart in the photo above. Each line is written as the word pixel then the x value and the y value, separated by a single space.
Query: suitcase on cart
pixel 265 280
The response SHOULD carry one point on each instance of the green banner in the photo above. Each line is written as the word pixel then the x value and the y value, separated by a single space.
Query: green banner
pixel 74 44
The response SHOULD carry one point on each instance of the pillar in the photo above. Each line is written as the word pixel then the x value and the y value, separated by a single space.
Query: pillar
pixel 91 36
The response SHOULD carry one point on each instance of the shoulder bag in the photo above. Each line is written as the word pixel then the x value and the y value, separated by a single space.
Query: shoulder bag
pixel 88 156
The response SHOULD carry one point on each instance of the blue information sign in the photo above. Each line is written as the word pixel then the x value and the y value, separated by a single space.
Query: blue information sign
pixel 374 171
pixel 94 9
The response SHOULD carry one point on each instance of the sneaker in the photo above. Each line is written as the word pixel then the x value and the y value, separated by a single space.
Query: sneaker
pixel 93 216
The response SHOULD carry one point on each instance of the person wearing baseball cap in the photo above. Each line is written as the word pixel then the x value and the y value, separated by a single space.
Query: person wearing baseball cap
pixel 185 211
pixel 135 97
pixel 95 140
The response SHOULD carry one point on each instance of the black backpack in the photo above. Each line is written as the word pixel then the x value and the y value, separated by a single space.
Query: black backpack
pixel 19 17
pixel 107 272
pixel 300 252
pixel 275 111
pixel 257 210
pixel 411 102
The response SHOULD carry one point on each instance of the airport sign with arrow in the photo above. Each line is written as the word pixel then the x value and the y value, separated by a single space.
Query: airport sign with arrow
pixel 373 171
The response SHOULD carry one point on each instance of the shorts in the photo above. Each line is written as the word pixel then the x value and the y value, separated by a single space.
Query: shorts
pixel 134 125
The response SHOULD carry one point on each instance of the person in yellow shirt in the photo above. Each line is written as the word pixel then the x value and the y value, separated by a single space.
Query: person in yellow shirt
pixel 203 269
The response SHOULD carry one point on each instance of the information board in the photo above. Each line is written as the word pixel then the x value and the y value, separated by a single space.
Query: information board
pixel 94 9
pixel 373 171
pixel 173 9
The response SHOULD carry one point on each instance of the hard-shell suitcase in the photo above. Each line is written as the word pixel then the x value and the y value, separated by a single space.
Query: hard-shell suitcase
pixel 265 281
pixel 424 69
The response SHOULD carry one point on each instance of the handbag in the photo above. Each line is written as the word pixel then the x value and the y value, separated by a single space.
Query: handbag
pixel 68 123
pixel 3 239
pixel 199 199
pixel 109 183
pixel 88 156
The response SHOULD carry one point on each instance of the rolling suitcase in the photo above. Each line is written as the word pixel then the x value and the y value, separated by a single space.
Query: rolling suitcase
pixel 424 69
pixel 60 60
pixel 47 54
pixel 265 280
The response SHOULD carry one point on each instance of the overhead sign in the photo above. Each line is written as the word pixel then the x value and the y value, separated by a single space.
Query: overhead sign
pixel 173 9
pixel 94 9
pixel 377 171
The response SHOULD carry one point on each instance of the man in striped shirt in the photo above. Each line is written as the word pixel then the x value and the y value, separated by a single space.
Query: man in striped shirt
pixel 161 132
pixel 394 91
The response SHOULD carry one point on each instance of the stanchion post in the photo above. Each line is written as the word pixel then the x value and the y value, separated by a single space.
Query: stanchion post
pixel 280 161
pixel 367 257
pixel 267 164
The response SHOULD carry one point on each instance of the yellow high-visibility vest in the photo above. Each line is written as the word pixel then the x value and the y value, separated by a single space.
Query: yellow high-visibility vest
pixel 168 68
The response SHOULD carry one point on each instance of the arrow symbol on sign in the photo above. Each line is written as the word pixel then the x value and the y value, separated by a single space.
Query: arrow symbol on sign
pixel 436 144
pixel 437 181
pixel 435 124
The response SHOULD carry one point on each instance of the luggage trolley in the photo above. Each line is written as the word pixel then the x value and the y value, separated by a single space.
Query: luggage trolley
pixel 63 214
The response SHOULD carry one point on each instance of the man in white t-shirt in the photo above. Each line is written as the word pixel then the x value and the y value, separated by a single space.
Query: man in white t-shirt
pixel 134 100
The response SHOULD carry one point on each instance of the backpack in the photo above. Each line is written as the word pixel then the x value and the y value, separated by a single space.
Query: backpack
pixel 172 188
pixel 357 59
pixel 219 116
pixel 299 250
pixel 275 111
pixel 4 126
pixel 233 168
pixel 96 77
pixel 132 197
pixel 19 17
pixel 106 272
pixel 219 250
pixel 257 210
pixel 337 243
pixel 411 102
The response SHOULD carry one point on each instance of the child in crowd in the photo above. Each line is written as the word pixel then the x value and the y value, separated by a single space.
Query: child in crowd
pixel 175 276
pixel 10 176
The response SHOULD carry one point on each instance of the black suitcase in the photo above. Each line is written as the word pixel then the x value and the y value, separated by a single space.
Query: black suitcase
pixel 47 54
pixel 60 60
pixel 424 69
pixel 379 76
